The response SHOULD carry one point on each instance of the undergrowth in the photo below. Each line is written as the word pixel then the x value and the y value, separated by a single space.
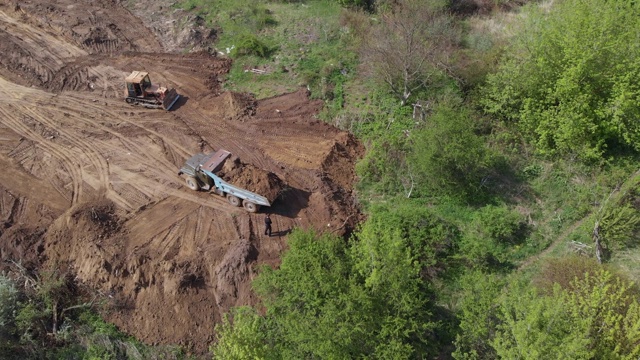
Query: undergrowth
pixel 282 47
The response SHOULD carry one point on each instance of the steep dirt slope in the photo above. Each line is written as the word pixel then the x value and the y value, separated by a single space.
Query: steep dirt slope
pixel 90 183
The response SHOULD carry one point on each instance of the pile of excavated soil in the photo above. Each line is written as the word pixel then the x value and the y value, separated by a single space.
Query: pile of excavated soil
pixel 90 182
pixel 251 178
pixel 175 28
pixel 338 162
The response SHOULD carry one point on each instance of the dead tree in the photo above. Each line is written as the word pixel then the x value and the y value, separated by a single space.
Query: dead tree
pixel 409 47
pixel 596 241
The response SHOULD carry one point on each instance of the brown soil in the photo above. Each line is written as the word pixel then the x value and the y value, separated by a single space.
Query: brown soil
pixel 251 178
pixel 91 183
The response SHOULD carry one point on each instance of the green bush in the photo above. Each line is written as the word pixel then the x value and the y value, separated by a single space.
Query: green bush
pixel 249 44
pixel 8 302
pixel 493 237
pixel 448 157
pixel 596 317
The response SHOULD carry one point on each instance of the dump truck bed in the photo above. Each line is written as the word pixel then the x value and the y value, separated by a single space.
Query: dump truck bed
pixel 236 191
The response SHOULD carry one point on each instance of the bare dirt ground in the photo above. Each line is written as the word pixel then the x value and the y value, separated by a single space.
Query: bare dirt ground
pixel 90 184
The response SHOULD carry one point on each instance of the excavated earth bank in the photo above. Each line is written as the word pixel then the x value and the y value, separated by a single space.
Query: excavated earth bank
pixel 89 184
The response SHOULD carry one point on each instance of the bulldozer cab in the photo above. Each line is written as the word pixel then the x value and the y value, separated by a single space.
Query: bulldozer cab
pixel 137 83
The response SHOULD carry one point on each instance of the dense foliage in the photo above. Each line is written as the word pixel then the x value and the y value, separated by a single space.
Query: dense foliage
pixel 329 299
pixel 570 79
pixel 458 199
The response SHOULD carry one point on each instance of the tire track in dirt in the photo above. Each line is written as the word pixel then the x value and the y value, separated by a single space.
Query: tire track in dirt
pixel 86 109
pixel 33 50
pixel 83 114
pixel 216 134
pixel 22 154
pixel 45 116
pixel 18 126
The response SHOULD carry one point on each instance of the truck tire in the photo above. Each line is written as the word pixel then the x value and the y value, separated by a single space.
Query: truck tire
pixel 218 191
pixel 250 207
pixel 233 200
pixel 192 183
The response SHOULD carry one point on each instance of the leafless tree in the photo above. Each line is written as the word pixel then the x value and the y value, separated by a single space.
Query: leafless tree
pixel 408 45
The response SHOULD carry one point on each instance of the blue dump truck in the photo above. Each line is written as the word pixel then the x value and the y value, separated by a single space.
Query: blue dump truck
pixel 200 171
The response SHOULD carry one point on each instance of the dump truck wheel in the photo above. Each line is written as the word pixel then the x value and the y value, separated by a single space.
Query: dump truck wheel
pixel 218 192
pixel 192 183
pixel 250 207
pixel 234 200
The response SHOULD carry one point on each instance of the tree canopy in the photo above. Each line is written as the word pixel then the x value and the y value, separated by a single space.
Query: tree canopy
pixel 570 80
pixel 332 300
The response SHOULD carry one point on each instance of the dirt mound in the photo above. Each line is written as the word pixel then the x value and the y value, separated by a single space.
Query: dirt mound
pixel 241 105
pixel 86 239
pixel 249 177
pixel 338 163
pixel 233 272
pixel 22 244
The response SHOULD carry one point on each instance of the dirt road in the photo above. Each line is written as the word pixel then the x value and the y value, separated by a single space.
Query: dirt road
pixel 90 183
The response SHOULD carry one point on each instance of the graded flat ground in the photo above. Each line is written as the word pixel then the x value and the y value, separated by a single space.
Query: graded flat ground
pixel 89 184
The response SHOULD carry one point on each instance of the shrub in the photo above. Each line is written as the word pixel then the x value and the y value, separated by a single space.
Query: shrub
pixel 8 299
pixel 249 44
pixel 492 237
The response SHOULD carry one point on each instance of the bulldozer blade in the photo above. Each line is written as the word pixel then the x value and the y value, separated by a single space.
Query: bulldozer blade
pixel 170 98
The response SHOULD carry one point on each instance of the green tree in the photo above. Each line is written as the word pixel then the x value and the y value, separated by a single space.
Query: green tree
pixel 492 236
pixel 385 126
pixel 399 251
pixel 333 300
pixel 607 307
pixel 539 327
pixel 478 315
pixel 447 156
pixel 310 301
pixel 312 308
pixel 596 317
pixel 570 80
pixel 245 338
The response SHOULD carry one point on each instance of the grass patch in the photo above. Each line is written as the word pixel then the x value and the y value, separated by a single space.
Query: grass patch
pixel 629 262
pixel 280 47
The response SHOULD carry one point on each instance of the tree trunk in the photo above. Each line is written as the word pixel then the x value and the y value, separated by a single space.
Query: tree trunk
pixel 596 239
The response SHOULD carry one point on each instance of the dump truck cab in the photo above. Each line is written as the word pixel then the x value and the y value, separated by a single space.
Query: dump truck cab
pixel 191 169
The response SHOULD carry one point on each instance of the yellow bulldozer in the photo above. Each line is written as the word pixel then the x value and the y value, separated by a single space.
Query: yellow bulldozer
pixel 140 91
